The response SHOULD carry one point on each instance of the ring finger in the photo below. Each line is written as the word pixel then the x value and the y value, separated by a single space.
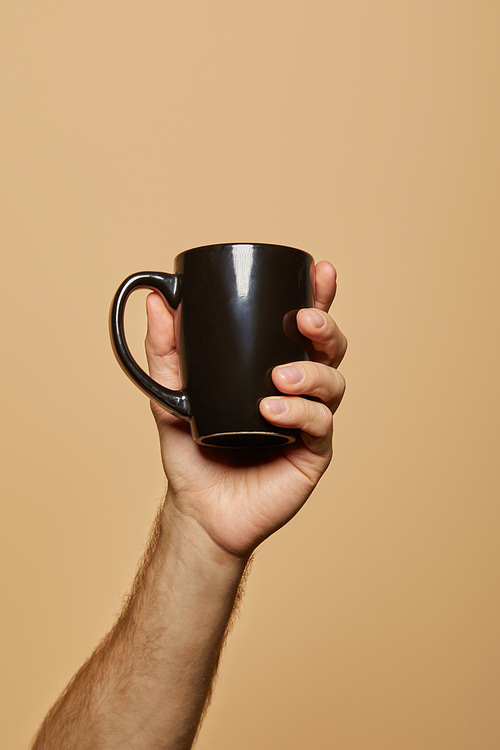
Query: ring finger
pixel 311 379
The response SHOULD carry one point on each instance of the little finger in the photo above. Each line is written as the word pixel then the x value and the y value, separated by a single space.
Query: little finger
pixel 312 418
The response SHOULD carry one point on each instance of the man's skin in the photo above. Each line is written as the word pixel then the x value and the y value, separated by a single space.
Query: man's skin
pixel 146 685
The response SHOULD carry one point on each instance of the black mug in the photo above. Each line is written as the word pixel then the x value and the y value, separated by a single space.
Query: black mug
pixel 235 309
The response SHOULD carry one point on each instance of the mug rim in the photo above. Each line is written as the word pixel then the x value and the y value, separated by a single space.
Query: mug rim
pixel 231 245
pixel 218 439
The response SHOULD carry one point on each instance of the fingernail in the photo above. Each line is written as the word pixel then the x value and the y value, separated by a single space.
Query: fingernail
pixel 276 405
pixel 291 373
pixel 316 317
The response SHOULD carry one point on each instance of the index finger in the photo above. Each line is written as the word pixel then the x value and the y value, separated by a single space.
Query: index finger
pixel 325 285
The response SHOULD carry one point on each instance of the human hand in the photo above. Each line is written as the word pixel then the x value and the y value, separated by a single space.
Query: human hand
pixel 238 498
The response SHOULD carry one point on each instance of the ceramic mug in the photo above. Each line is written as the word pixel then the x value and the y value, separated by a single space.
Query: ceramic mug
pixel 234 308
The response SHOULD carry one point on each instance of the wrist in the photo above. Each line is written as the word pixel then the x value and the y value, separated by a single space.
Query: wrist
pixel 189 537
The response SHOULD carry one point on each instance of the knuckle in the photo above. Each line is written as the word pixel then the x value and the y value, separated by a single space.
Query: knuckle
pixel 322 382
pixel 327 417
pixel 345 344
pixel 328 331
pixel 341 383
pixel 332 328
pixel 318 418
pixel 325 421
pixel 312 377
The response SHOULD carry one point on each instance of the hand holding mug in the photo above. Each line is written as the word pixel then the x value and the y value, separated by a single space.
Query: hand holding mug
pixel 235 499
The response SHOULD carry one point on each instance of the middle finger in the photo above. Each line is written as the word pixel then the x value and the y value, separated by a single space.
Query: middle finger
pixel 328 341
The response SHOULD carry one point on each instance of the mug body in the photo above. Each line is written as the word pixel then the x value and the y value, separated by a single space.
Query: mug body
pixel 235 322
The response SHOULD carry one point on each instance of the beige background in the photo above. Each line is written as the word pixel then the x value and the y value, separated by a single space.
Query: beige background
pixel 366 133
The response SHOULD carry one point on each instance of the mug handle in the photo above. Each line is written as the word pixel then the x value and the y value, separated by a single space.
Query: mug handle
pixel 169 286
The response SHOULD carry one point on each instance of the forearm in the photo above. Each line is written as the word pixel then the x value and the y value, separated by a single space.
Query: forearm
pixel 147 683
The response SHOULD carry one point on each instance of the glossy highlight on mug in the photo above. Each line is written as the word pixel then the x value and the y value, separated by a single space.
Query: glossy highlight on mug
pixel 243 261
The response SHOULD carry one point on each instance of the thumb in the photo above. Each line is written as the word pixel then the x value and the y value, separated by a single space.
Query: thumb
pixel 161 352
